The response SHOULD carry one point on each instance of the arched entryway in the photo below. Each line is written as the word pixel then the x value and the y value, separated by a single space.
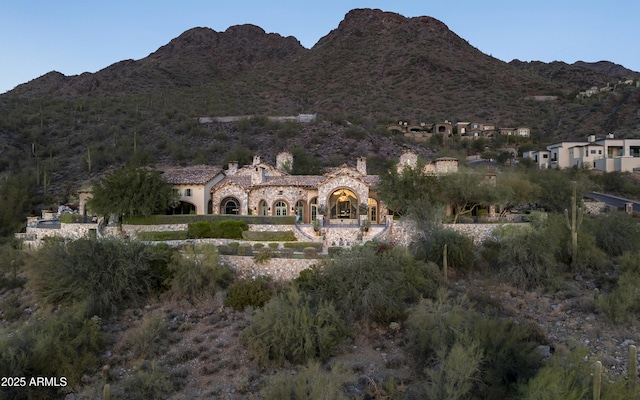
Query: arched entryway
pixel 343 205
pixel 263 208
pixel 230 206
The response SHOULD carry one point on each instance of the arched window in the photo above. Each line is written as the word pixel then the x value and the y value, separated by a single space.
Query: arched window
pixel 262 208
pixel 313 205
pixel 280 208
pixel 230 205
pixel 373 210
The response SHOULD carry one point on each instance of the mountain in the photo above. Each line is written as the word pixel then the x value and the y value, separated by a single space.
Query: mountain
pixel 376 67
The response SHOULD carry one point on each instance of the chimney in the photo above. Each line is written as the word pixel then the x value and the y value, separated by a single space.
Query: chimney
pixel 610 135
pixel 233 167
pixel 361 165
pixel 591 138
pixel 257 176
pixel 256 160
pixel 284 161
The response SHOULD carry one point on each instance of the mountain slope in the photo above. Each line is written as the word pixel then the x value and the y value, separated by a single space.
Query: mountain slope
pixel 376 67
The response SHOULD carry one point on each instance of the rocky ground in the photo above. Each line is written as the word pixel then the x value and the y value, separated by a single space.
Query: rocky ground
pixel 203 354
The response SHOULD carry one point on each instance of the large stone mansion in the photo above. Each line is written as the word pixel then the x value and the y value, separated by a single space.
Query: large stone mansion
pixel 343 195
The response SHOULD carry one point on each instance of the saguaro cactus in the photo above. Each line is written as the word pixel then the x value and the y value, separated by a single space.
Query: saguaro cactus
pixel 106 392
pixel 445 264
pixel 573 223
pixel 597 380
pixel 633 368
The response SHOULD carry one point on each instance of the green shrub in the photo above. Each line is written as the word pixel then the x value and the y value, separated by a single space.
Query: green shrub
pixel 623 303
pixel 245 250
pixel 374 286
pixel 300 246
pixel 274 245
pixel 264 255
pixel 189 219
pixel 106 274
pixel 436 328
pixel 310 382
pixel 258 246
pixel 293 328
pixel 162 236
pixel 269 236
pixel 148 381
pixel 616 233
pixel 248 292
pixel 523 256
pixel 227 250
pixel 310 252
pixel 227 229
pixel 145 340
pixel 64 345
pixel 334 251
pixel 198 272
pixel 460 251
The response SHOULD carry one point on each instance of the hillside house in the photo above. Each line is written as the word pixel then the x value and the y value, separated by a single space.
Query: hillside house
pixel 343 195
pixel 607 154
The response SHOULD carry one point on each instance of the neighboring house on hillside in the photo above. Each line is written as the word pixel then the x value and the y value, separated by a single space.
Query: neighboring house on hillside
pixel 607 154
pixel 539 157
pixel 344 195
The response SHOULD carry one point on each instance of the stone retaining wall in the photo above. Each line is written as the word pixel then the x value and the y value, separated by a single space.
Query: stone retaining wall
pixel 279 269
pixel 402 232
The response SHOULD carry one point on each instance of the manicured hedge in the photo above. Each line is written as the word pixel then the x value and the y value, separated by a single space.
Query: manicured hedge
pixel 188 219
pixel 229 229
pixel 269 236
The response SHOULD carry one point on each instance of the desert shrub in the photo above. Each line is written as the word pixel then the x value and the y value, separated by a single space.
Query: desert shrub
pixel 569 375
pixel 12 260
pixel 148 381
pixel 197 272
pixel 145 340
pixel 248 293
pixel 616 233
pixel 106 274
pixel 430 247
pixel 524 257
pixel 623 303
pixel 500 353
pixel 374 286
pixel 310 382
pixel 310 252
pixel 65 345
pixel 293 328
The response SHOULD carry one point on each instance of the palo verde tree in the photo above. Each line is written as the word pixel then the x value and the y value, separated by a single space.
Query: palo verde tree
pixel 131 191
pixel 402 191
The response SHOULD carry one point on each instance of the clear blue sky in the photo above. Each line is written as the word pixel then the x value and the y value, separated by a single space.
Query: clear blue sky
pixel 72 37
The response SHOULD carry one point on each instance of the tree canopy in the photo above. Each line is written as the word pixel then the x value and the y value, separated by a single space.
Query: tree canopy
pixel 132 191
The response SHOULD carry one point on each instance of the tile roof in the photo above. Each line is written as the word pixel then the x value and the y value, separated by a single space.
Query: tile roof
pixel 195 174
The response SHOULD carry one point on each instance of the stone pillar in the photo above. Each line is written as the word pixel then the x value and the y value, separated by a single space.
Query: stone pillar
pixel 628 208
